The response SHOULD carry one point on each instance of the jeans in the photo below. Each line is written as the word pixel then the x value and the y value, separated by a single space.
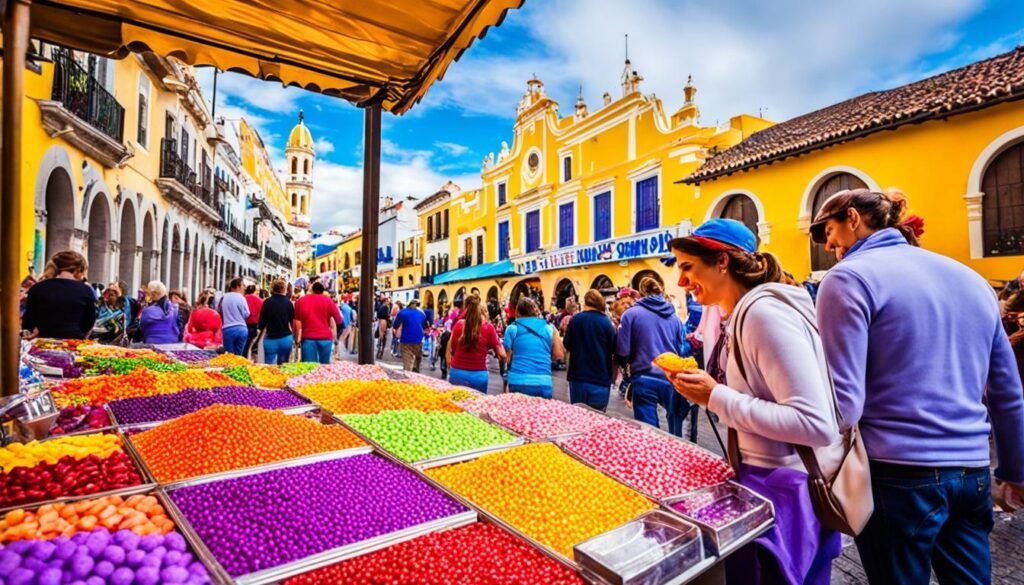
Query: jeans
pixel 277 351
pixel 317 350
pixel 412 354
pixel 234 339
pixel 648 393
pixel 475 379
pixel 593 395
pixel 940 519
pixel 532 390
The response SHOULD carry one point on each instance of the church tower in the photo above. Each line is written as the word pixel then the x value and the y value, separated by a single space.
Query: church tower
pixel 300 158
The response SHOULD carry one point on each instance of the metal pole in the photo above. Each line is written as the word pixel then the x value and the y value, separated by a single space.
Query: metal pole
pixel 213 106
pixel 16 23
pixel 371 213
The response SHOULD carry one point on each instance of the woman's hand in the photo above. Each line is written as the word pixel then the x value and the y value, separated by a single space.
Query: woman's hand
pixel 694 385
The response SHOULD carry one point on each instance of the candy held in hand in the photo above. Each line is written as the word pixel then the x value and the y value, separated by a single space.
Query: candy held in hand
pixel 414 436
pixel 68 477
pixel 545 493
pixel 361 397
pixel 478 553
pixel 142 515
pixel 673 364
pixel 268 519
pixel 223 438
pixel 652 463
pixel 535 417
pixel 169 406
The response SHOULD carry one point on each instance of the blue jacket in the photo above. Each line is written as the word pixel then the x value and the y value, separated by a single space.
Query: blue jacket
pixel 529 339
pixel 160 322
pixel 915 343
pixel 648 329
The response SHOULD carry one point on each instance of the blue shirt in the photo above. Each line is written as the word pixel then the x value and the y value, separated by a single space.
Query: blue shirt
pixel 529 338
pixel 590 341
pixel 234 310
pixel 410 319
pixel 346 313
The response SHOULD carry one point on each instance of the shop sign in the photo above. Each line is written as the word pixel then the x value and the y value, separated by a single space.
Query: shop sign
pixel 646 245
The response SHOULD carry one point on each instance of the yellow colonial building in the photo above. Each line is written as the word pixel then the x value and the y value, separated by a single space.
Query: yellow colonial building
pixel 582 201
pixel 953 143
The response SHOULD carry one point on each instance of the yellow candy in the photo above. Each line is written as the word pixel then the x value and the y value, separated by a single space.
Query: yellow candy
pixel 79 447
pixel 359 397
pixel 268 376
pixel 229 360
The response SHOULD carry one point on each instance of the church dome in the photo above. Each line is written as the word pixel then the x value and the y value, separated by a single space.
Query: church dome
pixel 300 136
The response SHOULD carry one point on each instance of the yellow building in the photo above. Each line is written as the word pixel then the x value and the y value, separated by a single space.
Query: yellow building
pixel 582 201
pixel 953 143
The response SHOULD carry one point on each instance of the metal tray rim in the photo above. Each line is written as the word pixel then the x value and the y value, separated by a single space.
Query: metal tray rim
pixel 265 467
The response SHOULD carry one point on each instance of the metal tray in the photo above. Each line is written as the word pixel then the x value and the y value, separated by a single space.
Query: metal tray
pixel 319 560
pixel 302 408
pixel 726 539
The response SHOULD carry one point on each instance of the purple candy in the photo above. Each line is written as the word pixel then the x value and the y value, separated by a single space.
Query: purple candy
pixel 103 569
pixel 114 554
pixel 169 406
pixel 150 542
pixel 135 558
pixel 147 576
pixel 293 513
pixel 49 577
pixel 123 576
pixel 173 575
pixel 175 542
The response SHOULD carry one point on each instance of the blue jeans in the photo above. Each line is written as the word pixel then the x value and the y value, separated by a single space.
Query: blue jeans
pixel 277 351
pixel 234 339
pixel 317 350
pixel 648 393
pixel 475 379
pixel 532 390
pixel 593 395
pixel 941 519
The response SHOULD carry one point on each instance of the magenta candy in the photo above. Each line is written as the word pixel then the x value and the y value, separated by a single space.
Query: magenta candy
pixel 289 514
pixel 537 418
pixel 169 406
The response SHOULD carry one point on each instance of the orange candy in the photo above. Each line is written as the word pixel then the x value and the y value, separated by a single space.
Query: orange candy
pixel 141 382
pixel 222 438
pixel 372 397
pixel 140 514
pixel 229 360
pixel 673 364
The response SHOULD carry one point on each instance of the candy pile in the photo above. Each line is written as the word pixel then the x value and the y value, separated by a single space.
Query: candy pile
pixel 545 493
pixel 457 394
pixel 535 417
pixel 714 509
pixel 113 351
pixel 193 357
pixel 141 514
pixel 413 436
pixel 103 389
pixel 298 368
pixel 239 374
pixel 78 447
pixel 267 376
pixel 337 372
pixel 163 407
pixel 229 360
pixel 58 360
pixel 59 344
pixel 428 381
pixel 478 553
pixel 353 397
pixel 80 417
pixel 102 366
pixel 67 477
pixel 654 464
pixel 121 558
pixel 222 438
pixel 264 520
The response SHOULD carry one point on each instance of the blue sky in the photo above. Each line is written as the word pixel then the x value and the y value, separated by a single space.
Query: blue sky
pixel 782 58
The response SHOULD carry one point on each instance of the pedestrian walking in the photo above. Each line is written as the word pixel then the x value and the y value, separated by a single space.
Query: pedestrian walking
pixel 112 314
pixel 204 328
pixel 928 376
pixel 255 303
pixel 770 384
pixel 159 319
pixel 312 325
pixel 61 306
pixel 648 329
pixel 234 311
pixel 345 339
pixel 532 345
pixel 473 337
pixel 590 353
pixel 275 324
pixel 409 330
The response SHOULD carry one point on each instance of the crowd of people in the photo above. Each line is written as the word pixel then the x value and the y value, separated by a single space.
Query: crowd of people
pixel 903 351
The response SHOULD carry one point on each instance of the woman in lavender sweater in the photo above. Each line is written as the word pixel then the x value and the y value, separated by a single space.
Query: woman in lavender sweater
pixel 783 399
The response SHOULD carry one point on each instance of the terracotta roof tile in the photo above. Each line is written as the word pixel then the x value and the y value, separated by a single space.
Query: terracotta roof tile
pixel 984 83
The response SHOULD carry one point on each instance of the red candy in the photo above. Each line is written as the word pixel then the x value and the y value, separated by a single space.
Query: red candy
pixel 68 477
pixel 652 463
pixel 478 553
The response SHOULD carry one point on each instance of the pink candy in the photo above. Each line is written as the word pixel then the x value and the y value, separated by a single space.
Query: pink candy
pixel 654 464
pixel 337 372
pixel 536 418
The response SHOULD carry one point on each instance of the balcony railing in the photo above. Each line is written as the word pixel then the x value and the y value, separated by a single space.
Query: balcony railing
pixel 238 234
pixel 172 166
pixel 465 261
pixel 276 258
pixel 406 261
pixel 84 96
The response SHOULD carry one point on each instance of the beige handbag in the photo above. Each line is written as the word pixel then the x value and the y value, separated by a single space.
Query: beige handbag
pixel 844 501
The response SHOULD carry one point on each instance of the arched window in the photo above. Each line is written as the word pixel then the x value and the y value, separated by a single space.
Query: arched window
pixel 295 200
pixel 1003 204
pixel 742 209
pixel 295 165
pixel 305 167
pixel 822 259
pixel 346 261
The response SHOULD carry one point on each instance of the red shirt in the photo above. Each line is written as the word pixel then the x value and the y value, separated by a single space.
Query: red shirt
pixel 314 311
pixel 473 358
pixel 204 328
pixel 255 304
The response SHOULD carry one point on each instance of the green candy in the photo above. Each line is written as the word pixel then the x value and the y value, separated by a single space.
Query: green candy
pixel 414 436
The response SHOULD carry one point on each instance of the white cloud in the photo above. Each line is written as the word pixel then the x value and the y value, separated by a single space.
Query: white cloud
pixel 323 146
pixel 270 96
pixel 452 148
pixel 788 57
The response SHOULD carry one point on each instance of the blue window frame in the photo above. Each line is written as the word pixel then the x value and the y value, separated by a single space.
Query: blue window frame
pixel 603 216
pixel 648 208
pixel 566 225
pixel 503 240
pixel 532 231
pixel 502 194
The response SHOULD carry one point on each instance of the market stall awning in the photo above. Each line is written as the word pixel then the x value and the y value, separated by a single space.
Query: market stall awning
pixel 353 50
pixel 490 270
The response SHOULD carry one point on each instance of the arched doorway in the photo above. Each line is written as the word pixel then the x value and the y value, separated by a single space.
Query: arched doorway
pixel 530 288
pixel 742 208
pixel 644 274
pixel 60 212
pixel 428 300
pixel 126 266
pixel 493 293
pixel 564 291
pixel 460 296
pixel 204 276
pixel 821 259
pixel 186 266
pixel 147 249
pixel 604 284
pixel 442 305
pixel 174 282
pixel 1002 221
pixel 99 240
